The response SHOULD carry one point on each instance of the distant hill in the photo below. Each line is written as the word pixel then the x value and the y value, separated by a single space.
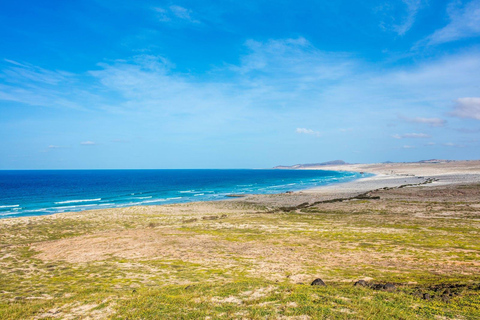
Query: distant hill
pixel 310 165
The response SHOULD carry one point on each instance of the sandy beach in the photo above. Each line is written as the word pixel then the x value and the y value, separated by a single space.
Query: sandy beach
pixel 413 226
pixel 385 176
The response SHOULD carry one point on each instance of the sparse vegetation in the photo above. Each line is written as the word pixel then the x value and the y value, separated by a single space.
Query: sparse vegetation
pixel 238 260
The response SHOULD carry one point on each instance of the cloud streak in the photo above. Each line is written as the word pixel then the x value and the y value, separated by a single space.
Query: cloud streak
pixel 464 23
pixel 88 143
pixel 411 136
pixel 432 122
pixel 412 9
pixel 175 13
pixel 277 81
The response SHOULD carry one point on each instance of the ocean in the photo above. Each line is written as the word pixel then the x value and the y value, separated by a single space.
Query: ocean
pixel 41 192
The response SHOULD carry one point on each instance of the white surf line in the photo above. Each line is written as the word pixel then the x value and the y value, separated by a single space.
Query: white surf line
pixel 10 206
pixel 80 200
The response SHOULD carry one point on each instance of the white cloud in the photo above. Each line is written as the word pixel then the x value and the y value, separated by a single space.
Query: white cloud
pixel 464 23
pixel 408 147
pixel 467 108
pixel 87 143
pixel 433 122
pixel 308 131
pixel 411 135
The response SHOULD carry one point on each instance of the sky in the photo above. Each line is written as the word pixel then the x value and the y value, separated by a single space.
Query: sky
pixel 101 84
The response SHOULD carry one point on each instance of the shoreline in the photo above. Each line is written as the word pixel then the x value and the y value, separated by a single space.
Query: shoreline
pixel 228 197
pixel 397 174
pixel 392 175
pixel 259 253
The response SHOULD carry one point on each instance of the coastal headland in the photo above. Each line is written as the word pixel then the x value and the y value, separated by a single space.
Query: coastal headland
pixel 402 244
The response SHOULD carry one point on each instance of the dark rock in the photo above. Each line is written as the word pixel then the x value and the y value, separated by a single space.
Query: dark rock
pixel 376 286
pixel 389 287
pixel 210 217
pixel 318 282
pixel 360 283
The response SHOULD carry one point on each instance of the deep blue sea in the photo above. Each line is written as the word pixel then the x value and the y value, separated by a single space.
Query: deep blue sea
pixel 30 192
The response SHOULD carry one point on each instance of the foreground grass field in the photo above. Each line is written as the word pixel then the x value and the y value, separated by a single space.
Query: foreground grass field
pixel 238 260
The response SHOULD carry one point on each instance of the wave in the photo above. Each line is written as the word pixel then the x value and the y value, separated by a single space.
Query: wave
pixel 11 206
pixel 8 213
pixel 174 198
pixel 150 201
pixel 36 210
pixel 81 200
pixel 80 206
pixel 198 194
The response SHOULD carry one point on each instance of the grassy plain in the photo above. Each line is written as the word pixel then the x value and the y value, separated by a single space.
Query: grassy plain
pixel 239 260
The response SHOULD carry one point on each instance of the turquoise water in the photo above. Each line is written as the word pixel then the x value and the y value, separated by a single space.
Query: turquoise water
pixel 30 192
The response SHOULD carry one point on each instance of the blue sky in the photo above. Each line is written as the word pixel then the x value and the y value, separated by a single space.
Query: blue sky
pixel 237 84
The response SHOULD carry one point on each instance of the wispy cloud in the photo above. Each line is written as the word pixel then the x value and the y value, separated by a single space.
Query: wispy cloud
pixel 411 135
pixel 88 143
pixel 52 148
pixel 464 23
pixel 467 108
pixel 276 80
pixel 20 72
pixel 401 23
pixel 175 13
pixel 433 122
pixel 451 144
pixel 308 131
pixel 409 147
pixel 412 9
pixel 33 85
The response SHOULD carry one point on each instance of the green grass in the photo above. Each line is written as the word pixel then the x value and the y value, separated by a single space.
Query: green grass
pixel 340 244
